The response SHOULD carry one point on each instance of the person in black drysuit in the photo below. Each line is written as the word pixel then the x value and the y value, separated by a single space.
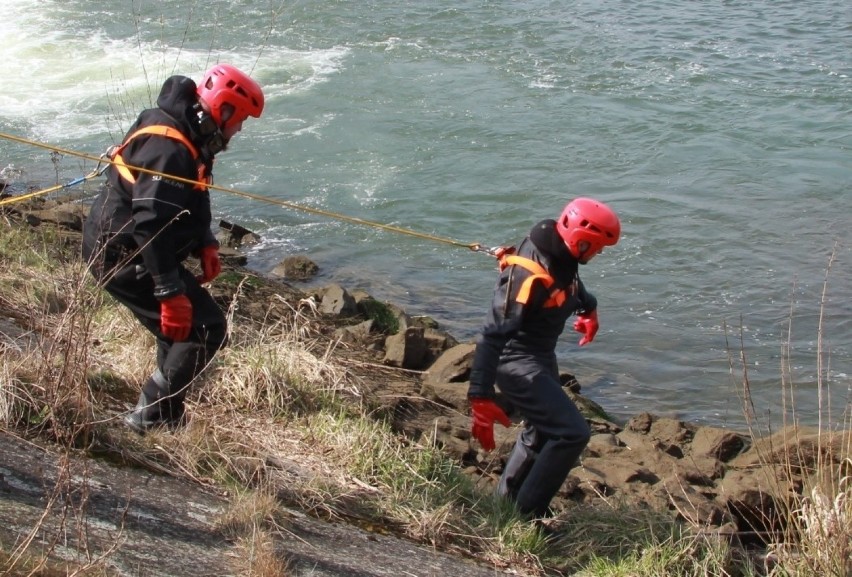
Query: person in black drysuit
pixel 516 351
pixel 143 226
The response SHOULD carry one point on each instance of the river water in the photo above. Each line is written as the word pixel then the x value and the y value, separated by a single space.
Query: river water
pixel 719 131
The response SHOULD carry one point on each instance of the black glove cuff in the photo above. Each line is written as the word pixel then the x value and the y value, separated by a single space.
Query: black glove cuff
pixel 476 391
pixel 168 285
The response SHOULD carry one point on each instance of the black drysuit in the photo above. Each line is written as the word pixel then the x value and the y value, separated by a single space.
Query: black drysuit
pixel 137 235
pixel 516 350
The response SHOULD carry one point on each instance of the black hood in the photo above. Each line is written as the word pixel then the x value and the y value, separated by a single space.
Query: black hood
pixel 178 98
pixel 546 239
pixel 562 265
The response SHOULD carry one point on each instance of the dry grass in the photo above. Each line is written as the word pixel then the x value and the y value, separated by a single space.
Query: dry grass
pixel 253 522
pixel 812 486
pixel 279 422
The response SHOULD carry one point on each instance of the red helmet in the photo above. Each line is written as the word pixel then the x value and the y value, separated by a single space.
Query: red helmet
pixel 589 220
pixel 224 84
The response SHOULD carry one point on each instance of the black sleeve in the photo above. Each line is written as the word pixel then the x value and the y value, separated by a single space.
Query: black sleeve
pixel 504 320
pixel 588 301
pixel 159 203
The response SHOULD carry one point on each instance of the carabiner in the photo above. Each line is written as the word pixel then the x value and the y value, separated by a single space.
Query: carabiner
pixel 103 159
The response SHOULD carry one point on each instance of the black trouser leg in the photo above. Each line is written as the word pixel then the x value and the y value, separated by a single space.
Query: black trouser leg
pixel 180 363
pixel 518 464
pixel 558 432
pixel 546 476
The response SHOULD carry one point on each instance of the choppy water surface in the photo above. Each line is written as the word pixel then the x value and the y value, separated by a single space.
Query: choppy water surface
pixel 719 131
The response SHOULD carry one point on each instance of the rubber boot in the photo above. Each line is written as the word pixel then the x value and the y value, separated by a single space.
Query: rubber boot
pixel 156 407
pixel 145 416
pixel 518 464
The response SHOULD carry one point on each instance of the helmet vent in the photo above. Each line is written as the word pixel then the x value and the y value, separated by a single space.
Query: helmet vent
pixel 241 91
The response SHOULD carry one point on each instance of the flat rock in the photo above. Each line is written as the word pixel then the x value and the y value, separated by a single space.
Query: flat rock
pixel 133 522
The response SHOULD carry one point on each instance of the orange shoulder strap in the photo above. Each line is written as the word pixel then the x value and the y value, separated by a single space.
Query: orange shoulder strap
pixel 538 273
pixel 159 130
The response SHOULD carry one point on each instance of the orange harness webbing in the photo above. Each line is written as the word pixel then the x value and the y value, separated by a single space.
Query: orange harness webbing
pixel 168 132
pixel 557 297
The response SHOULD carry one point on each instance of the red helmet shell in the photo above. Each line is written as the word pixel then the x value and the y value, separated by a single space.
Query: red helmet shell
pixel 225 84
pixel 589 220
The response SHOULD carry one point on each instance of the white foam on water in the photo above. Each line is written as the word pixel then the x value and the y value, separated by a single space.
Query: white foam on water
pixel 64 86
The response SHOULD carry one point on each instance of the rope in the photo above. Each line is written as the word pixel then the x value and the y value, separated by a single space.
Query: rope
pixel 96 172
pixel 476 247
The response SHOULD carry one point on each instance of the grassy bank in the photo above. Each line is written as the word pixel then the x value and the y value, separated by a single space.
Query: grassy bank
pixel 73 360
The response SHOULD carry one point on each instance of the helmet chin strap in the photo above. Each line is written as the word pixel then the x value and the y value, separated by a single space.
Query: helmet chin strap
pixel 583 259
pixel 216 143
pixel 210 136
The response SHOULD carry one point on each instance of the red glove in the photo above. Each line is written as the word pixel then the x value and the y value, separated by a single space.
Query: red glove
pixel 176 317
pixel 484 413
pixel 210 264
pixel 588 325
